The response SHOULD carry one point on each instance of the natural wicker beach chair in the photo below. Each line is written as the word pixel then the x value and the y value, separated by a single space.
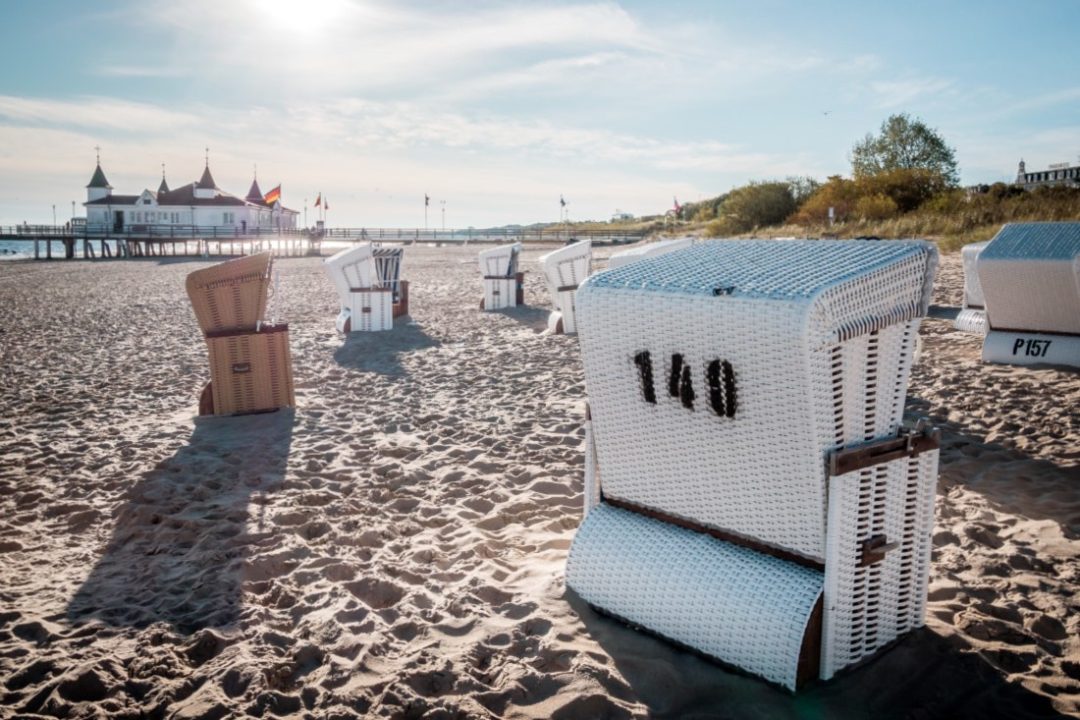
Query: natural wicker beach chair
pixel 750 489
pixel 230 295
pixel 1030 278
pixel 648 250
pixel 564 270
pixel 972 317
pixel 370 288
pixel 250 363
pixel 503 283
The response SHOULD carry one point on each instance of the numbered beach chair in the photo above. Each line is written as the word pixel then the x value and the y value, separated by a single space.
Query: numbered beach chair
pixel 250 362
pixel 369 287
pixel 565 269
pixel 1030 278
pixel 654 249
pixel 972 317
pixel 751 491
pixel 503 283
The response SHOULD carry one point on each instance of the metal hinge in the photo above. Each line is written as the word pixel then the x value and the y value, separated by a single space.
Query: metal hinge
pixel 907 443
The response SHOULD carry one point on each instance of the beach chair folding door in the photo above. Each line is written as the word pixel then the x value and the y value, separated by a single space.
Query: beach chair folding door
pixel 648 250
pixel 502 280
pixel 366 304
pixel 972 317
pixel 1030 278
pixel 565 269
pixel 750 489
pixel 250 362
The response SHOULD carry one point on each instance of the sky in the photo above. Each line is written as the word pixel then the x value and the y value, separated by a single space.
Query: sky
pixel 497 109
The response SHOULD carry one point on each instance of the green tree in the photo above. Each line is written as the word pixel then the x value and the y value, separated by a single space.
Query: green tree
pixel 753 206
pixel 905 144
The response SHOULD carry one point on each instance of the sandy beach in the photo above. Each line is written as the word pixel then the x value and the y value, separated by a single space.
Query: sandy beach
pixel 395 546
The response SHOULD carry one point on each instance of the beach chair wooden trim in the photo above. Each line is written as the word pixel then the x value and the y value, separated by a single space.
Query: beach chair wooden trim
pixel 907 444
pixel 730 537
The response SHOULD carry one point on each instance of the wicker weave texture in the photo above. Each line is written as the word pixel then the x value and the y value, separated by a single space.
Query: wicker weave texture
pixel 1030 278
pixel 230 295
pixel 565 269
pixel 351 268
pixel 501 261
pixel 500 293
pixel 251 372
pixel 1031 349
pixel 760 471
pixel 371 311
pixel 973 294
pixel 869 606
pixel 655 249
pixel 737 605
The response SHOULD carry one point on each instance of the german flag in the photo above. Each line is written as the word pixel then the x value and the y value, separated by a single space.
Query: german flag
pixel 273 196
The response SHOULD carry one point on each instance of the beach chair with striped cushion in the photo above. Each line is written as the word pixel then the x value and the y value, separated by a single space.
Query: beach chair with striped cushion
pixel 972 317
pixel 1030 278
pixel 565 269
pixel 503 282
pixel 751 489
pixel 369 287
pixel 250 362
pixel 648 250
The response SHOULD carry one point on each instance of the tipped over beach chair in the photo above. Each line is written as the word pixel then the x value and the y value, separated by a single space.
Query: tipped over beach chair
pixel 653 249
pixel 1030 278
pixel 503 282
pixel 750 489
pixel 565 269
pixel 250 362
pixel 972 317
pixel 370 288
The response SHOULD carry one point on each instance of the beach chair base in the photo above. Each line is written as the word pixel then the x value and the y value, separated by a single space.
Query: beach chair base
pixel 1019 348
pixel 555 323
pixel 369 310
pixel 564 301
pixel 971 320
pixel 501 293
pixel 250 371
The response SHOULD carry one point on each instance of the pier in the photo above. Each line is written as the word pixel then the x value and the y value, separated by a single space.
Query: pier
pixel 190 241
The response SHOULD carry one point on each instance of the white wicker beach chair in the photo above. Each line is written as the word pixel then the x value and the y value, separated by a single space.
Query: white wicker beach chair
pixel 625 257
pixel 972 317
pixel 750 490
pixel 1030 278
pixel 366 278
pixel 564 270
pixel 502 281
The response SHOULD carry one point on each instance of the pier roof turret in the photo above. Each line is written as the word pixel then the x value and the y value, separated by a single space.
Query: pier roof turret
pixel 98 180
pixel 206 182
pixel 255 194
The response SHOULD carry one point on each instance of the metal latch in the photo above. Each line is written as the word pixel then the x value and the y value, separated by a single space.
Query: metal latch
pixel 873 549
pixel 907 443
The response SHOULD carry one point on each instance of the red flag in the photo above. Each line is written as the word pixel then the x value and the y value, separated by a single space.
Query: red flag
pixel 273 196
pixel 326 205
pixel 318 200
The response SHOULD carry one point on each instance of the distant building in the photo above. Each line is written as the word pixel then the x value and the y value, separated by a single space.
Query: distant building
pixel 1063 174
pixel 201 204
pixel 621 216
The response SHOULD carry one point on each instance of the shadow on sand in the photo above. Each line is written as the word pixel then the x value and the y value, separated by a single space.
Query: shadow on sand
pixel 182 537
pixel 534 318
pixel 923 676
pixel 380 352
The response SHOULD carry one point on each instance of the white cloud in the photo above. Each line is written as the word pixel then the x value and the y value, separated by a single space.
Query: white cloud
pixel 895 93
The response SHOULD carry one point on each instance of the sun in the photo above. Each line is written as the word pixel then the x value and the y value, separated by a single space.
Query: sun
pixel 302 16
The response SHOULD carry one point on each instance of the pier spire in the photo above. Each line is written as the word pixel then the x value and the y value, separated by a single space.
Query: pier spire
pixel 164 186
